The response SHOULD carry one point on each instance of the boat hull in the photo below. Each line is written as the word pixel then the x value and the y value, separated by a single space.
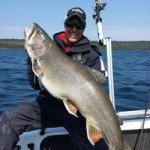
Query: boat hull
pixel 135 130
pixel 59 139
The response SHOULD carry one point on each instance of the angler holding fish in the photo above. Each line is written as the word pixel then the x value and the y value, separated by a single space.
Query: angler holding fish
pixel 64 79
pixel 81 91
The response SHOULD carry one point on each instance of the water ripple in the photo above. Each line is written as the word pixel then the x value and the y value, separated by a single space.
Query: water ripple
pixel 131 78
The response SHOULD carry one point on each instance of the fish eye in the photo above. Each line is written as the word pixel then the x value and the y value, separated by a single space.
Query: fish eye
pixel 38 31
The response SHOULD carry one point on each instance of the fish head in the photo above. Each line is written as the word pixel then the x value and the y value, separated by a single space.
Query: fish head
pixel 36 41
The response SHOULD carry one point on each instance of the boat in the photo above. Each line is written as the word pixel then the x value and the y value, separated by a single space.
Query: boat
pixel 135 129
pixel 136 123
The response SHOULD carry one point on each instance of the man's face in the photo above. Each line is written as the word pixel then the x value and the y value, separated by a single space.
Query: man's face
pixel 74 30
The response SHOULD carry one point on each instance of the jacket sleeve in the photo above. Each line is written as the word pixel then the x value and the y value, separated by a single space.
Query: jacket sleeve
pixel 94 58
pixel 33 80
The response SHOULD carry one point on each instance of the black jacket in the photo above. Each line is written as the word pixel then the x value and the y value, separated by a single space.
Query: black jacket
pixel 82 52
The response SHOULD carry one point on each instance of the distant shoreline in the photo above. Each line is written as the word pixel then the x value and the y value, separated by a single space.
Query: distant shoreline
pixel 116 45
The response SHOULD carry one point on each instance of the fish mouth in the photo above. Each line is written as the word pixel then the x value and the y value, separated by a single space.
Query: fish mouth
pixel 29 32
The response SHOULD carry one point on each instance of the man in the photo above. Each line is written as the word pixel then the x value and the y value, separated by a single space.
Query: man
pixel 46 110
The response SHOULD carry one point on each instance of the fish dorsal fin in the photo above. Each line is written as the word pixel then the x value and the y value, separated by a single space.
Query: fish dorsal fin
pixel 99 77
pixel 94 134
pixel 71 108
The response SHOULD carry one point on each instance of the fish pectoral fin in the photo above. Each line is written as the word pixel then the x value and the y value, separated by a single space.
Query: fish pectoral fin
pixel 36 68
pixel 99 77
pixel 94 134
pixel 71 108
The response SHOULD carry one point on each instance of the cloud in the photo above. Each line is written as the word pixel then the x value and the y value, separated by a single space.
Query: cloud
pixel 128 33
pixel 11 32
pixel 120 33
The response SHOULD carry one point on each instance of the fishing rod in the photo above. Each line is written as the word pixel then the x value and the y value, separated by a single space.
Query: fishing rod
pixel 107 42
pixel 98 8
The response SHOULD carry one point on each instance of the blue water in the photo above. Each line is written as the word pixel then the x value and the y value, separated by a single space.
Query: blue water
pixel 131 78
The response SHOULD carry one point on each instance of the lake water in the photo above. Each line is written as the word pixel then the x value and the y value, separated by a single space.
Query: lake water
pixel 131 78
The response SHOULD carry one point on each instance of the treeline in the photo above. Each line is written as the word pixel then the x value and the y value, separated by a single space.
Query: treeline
pixel 11 43
pixel 128 45
pixel 131 45
pixel 116 45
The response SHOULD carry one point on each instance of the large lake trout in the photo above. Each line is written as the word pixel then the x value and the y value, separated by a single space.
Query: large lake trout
pixel 76 85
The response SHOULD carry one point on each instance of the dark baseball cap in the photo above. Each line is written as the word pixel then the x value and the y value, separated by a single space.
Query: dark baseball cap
pixel 76 11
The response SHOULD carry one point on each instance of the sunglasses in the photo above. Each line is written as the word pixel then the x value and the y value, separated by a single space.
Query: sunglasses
pixel 78 26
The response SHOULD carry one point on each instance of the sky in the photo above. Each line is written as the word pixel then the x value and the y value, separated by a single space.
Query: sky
pixel 122 20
